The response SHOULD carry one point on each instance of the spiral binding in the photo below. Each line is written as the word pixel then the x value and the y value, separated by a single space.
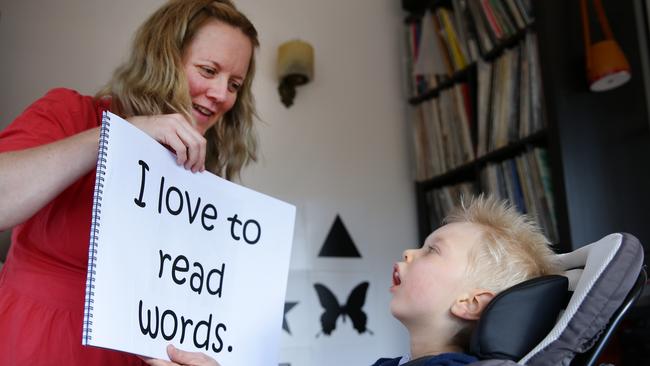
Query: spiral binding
pixel 94 228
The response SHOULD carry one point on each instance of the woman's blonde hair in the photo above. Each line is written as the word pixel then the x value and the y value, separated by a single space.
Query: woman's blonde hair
pixel 512 248
pixel 153 82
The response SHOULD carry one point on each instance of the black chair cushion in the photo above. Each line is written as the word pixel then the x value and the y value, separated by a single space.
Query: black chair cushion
pixel 516 320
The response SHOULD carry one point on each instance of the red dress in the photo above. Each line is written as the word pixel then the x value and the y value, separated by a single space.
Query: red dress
pixel 42 284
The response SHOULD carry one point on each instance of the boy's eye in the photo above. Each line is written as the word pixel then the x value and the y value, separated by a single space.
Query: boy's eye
pixel 432 249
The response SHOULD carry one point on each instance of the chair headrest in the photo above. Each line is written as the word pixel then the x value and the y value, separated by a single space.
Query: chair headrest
pixel 517 319
pixel 610 268
pixel 603 277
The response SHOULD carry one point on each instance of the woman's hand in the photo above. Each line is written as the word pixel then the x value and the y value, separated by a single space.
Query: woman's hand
pixel 183 358
pixel 177 134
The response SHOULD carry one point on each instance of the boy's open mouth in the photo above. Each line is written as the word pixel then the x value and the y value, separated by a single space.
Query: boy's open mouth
pixel 396 280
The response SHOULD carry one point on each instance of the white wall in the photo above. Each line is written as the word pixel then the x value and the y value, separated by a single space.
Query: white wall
pixel 342 148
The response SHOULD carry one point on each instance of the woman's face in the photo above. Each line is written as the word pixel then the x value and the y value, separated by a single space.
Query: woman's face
pixel 215 63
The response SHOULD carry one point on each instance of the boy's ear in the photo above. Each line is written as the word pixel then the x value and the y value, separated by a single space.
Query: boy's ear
pixel 471 305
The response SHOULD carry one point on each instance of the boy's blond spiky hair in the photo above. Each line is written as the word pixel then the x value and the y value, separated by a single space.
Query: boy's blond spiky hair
pixel 512 247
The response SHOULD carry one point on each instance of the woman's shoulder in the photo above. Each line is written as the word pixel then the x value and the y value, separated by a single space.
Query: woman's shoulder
pixel 59 113
pixel 68 104
pixel 66 96
pixel 61 91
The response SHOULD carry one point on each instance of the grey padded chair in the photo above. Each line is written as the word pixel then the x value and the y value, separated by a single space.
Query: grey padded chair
pixel 604 280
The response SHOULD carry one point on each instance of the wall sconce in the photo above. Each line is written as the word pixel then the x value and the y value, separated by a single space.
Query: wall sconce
pixel 295 68
pixel 607 67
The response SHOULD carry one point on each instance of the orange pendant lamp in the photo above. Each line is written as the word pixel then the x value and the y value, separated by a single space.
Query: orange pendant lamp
pixel 607 67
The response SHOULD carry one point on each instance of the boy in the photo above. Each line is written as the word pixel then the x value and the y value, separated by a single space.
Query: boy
pixel 440 290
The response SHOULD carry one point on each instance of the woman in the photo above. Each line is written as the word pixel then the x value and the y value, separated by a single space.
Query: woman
pixel 188 85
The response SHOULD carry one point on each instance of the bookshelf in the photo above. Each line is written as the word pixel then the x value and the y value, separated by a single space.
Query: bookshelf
pixel 478 115
pixel 598 143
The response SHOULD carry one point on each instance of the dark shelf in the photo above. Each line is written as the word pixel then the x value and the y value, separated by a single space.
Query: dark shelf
pixel 468 171
pixel 460 76
pixel 463 75
pixel 514 148
pixel 417 8
pixel 458 174
pixel 514 40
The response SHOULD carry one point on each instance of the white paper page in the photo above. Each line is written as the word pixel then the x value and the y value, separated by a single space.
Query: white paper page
pixel 156 256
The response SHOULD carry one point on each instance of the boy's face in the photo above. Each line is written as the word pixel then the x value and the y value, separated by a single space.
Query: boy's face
pixel 430 279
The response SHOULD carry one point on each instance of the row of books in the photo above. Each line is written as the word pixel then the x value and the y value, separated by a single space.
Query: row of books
pixel 449 131
pixel 525 181
pixel 496 21
pixel 439 45
pixel 443 200
pixel 509 97
pixel 446 40
pixel 442 132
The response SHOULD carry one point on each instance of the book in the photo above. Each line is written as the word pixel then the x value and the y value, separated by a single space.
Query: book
pixel 484 86
pixel 442 43
pixel 420 80
pixel 429 61
pixel 524 96
pixel 499 107
pixel 536 95
pixel 435 136
pixel 513 96
pixel 463 123
pixel 465 37
pixel 503 18
pixel 524 7
pixel 450 144
pixel 517 16
pixel 408 61
pixel 486 39
pixel 541 160
pixel 512 184
pixel 443 200
pixel 543 215
pixel 458 55
pixel 182 258
pixel 492 20
pixel 428 139
pixel 420 145
pixel 526 185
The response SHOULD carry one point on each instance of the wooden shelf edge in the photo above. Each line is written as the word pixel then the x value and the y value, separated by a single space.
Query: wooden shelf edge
pixel 468 170
pixel 458 77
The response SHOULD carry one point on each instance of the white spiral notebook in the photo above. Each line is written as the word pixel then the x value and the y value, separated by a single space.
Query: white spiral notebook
pixel 182 258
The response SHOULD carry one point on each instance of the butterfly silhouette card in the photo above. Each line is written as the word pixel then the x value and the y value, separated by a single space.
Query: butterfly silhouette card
pixel 350 308
pixel 331 308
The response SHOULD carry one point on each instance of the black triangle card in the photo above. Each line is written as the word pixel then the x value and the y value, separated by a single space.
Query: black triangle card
pixel 338 242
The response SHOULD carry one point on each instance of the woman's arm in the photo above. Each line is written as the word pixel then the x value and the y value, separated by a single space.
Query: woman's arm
pixel 31 178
